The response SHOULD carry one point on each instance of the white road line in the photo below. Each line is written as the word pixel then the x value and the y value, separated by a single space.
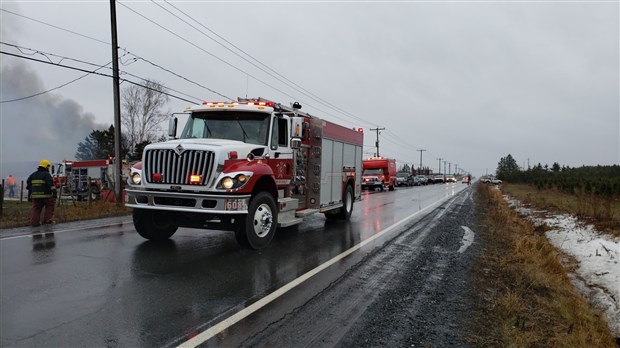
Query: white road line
pixel 468 238
pixel 235 318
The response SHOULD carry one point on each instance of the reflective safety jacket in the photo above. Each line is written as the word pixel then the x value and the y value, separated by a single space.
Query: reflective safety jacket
pixel 40 184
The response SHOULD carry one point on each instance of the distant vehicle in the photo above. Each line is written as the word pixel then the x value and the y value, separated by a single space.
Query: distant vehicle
pixel 450 178
pixel 421 179
pixel 371 180
pixel 465 179
pixel 485 179
pixel 382 168
pixel 495 181
pixel 438 179
pixel 404 179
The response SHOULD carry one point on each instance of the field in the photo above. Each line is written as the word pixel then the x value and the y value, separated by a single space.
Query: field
pixel 601 211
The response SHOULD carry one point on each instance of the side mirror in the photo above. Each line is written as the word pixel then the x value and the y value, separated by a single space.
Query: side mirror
pixel 172 127
pixel 297 127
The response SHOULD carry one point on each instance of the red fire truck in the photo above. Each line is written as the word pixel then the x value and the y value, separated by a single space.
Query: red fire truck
pixel 79 178
pixel 379 172
pixel 248 166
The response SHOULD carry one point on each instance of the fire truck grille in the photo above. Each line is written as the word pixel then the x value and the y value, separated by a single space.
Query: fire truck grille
pixel 163 166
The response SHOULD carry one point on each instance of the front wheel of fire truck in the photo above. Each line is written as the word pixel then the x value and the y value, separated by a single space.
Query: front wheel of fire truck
pixel 153 225
pixel 257 229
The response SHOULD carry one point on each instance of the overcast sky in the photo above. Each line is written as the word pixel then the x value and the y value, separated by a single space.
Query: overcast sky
pixel 470 82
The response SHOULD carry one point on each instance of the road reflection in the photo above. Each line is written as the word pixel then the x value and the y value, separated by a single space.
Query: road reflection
pixel 43 245
pixel 188 284
pixel 378 214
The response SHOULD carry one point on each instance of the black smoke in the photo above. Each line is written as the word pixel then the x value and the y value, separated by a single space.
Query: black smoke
pixel 46 126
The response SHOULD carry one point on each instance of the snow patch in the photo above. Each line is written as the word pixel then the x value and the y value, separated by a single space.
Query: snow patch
pixel 597 277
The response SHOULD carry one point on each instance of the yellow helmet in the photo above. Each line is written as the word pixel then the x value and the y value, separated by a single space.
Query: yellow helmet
pixel 45 164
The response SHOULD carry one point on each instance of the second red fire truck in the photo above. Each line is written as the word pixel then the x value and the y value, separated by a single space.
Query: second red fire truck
pixel 248 166
pixel 379 172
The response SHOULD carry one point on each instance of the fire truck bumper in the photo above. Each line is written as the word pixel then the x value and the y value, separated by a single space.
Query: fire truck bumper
pixel 187 202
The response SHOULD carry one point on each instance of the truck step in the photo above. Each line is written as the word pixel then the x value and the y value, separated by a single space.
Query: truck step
pixel 305 212
pixel 287 204
pixel 289 223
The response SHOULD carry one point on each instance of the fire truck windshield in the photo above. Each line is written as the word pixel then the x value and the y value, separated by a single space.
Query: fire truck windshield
pixel 373 171
pixel 249 127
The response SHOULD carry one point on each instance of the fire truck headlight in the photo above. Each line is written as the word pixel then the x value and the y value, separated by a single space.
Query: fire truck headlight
pixel 234 181
pixel 227 183
pixel 136 179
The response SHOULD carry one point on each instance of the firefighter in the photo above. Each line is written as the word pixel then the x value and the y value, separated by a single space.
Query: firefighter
pixel 40 186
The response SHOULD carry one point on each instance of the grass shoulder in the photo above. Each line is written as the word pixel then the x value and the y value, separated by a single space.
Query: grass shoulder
pixel 17 214
pixel 523 294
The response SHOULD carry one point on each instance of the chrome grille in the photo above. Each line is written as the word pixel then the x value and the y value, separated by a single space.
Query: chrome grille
pixel 176 169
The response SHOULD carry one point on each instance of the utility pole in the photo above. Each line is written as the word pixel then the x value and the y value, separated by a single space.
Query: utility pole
pixel 117 107
pixel 377 142
pixel 449 168
pixel 439 172
pixel 444 168
pixel 421 150
pixel 456 168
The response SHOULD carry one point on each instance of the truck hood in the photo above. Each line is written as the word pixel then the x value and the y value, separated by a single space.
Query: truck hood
pixel 221 147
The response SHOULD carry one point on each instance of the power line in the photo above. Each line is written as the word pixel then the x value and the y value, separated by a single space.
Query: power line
pixel 299 88
pixel 53 26
pixel 124 49
pixel 107 43
pixel 180 76
pixel 224 61
pixel 46 54
pixel 95 73
pixel 49 90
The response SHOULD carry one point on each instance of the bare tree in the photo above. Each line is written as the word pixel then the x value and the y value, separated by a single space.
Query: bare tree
pixel 142 113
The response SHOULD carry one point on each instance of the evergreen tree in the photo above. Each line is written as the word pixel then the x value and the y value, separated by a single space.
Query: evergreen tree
pixel 506 167
pixel 99 144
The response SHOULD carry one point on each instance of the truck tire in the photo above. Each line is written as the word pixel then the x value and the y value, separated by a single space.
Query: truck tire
pixel 153 225
pixel 95 194
pixel 257 229
pixel 344 213
pixel 391 188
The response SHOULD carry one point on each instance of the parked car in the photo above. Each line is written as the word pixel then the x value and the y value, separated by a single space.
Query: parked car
pixel 495 181
pixel 438 179
pixel 422 180
pixel 404 179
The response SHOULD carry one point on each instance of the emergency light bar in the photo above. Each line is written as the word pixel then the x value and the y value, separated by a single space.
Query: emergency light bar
pixel 233 104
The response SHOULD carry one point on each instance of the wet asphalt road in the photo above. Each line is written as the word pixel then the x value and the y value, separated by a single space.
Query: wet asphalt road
pixel 98 283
